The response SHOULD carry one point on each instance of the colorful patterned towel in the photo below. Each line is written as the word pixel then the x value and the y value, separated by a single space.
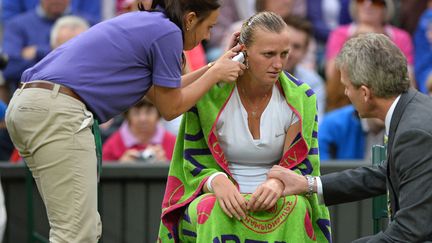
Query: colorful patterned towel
pixel 198 154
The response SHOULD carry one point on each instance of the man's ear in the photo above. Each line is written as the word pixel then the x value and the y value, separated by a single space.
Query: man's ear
pixel 367 93
pixel 189 20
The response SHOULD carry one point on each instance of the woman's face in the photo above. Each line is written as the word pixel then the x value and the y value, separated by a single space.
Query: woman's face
pixel 197 31
pixel 143 120
pixel 267 55
pixel 371 11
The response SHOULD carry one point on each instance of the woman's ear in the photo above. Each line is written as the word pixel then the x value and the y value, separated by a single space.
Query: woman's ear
pixel 189 20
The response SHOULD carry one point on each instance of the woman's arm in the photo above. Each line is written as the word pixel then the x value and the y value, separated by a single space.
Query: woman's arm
pixel 172 102
pixel 190 77
pixel 267 194
pixel 292 132
pixel 228 196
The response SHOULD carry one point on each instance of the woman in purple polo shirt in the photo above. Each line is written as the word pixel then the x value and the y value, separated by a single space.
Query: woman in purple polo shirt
pixel 101 73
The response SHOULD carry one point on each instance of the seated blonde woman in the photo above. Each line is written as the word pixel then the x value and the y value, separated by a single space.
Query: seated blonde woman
pixel 217 189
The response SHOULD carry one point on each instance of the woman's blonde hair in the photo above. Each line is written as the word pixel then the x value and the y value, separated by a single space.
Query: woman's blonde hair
pixel 265 20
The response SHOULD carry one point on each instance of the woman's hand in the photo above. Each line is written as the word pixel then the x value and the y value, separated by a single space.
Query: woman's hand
pixel 233 40
pixel 266 195
pixel 229 198
pixel 225 68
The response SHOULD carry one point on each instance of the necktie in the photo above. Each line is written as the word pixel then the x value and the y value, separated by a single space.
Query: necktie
pixel 388 192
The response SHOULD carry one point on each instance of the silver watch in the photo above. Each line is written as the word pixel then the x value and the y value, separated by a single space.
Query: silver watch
pixel 310 182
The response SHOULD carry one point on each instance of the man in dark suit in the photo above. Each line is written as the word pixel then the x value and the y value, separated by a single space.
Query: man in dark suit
pixel 374 73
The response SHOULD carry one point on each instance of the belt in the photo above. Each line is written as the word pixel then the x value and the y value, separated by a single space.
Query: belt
pixel 50 86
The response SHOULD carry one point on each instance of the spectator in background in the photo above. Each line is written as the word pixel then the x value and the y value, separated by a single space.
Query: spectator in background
pixel 231 11
pixel 344 135
pixel 141 131
pixel 408 13
pixel 27 37
pixel 325 16
pixel 67 28
pixel 369 16
pixel 423 50
pixel 12 8
pixel 300 36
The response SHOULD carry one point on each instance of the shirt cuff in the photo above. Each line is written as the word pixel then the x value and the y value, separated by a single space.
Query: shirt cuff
pixel 319 190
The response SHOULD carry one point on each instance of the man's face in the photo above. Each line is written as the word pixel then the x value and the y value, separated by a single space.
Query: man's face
pixel 54 8
pixel 355 95
pixel 298 40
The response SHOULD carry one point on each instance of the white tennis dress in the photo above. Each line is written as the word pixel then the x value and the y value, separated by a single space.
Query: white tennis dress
pixel 250 159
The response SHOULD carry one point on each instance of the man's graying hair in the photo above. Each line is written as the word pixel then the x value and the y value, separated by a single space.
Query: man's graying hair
pixel 71 22
pixel 375 61
pixel 265 20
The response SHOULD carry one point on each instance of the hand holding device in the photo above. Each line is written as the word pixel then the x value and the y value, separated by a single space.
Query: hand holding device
pixel 239 57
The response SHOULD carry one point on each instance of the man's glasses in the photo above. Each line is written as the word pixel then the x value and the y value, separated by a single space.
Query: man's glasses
pixel 377 3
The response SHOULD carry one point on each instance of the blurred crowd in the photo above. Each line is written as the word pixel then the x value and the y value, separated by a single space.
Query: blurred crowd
pixel 319 28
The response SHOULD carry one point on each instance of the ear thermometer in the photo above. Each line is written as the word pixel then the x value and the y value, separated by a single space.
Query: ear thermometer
pixel 239 57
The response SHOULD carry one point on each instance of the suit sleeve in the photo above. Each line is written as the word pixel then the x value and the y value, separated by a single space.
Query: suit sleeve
pixel 413 161
pixel 364 181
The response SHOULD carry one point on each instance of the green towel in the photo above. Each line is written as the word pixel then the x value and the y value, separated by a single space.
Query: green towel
pixel 198 154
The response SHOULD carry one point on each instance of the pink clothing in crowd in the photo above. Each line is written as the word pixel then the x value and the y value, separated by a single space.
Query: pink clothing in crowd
pixel 196 58
pixel 340 35
pixel 123 140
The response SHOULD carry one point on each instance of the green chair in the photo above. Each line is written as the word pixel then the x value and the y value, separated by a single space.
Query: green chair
pixel 379 204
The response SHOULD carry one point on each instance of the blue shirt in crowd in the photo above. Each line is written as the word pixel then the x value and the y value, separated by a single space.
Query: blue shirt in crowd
pixel 315 14
pixel 423 51
pixel 12 8
pixel 2 110
pixel 113 64
pixel 341 135
pixel 28 29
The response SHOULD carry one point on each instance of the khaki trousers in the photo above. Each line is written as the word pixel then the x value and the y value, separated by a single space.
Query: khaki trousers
pixel 52 132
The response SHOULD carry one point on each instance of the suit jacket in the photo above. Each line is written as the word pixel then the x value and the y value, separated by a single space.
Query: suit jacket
pixel 407 174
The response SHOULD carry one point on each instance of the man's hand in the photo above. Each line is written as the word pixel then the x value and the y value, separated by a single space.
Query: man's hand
pixel 294 183
pixel 229 198
pixel 266 195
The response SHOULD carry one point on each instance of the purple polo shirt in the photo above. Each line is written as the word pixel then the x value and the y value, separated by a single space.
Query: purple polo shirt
pixel 113 64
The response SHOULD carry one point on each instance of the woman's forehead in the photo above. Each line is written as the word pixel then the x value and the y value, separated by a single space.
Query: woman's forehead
pixel 267 37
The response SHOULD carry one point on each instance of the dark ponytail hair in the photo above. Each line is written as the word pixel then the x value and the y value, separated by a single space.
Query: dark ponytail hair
pixel 176 9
